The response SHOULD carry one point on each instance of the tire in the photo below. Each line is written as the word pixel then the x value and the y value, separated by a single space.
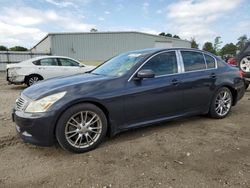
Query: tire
pixel 244 65
pixel 246 85
pixel 74 135
pixel 31 80
pixel 221 103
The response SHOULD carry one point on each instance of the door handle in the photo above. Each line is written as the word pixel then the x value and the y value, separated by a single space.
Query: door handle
pixel 212 75
pixel 175 82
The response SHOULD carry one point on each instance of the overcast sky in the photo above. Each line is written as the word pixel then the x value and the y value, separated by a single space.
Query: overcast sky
pixel 25 22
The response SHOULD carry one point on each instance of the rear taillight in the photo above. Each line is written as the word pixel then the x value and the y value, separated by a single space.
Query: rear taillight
pixel 232 61
pixel 241 73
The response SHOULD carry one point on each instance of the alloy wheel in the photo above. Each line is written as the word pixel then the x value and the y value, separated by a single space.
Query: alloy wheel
pixel 83 129
pixel 33 80
pixel 223 103
pixel 245 64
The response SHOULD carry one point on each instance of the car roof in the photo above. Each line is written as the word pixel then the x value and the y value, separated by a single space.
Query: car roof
pixel 47 56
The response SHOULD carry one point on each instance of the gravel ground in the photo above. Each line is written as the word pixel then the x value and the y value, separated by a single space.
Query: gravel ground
pixel 191 152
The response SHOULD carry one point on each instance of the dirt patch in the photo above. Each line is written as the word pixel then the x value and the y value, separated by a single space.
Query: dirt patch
pixel 191 152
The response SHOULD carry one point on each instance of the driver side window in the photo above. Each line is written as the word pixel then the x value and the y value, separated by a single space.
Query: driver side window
pixel 163 64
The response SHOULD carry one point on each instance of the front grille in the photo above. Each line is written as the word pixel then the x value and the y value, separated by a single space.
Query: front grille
pixel 21 103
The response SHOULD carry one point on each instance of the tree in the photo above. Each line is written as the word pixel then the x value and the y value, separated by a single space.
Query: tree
pixel 3 48
pixel 168 35
pixel 217 43
pixel 162 34
pixel 194 43
pixel 241 42
pixel 18 48
pixel 229 49
pixel 176 36
pixel 208 46
pixel 93 30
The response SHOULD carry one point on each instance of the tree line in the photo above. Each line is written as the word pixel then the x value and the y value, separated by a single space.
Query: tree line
pixel 15 48
pixel 229 49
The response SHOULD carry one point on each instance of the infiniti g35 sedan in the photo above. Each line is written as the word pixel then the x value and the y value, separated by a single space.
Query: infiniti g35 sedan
pixel 40 68
pixel 131 90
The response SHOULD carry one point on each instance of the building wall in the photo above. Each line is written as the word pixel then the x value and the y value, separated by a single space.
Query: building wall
pixel 95 46
pixel 44 46
pixel 181 44
pixel 101 46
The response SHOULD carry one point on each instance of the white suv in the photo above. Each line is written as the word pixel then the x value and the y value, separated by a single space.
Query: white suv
pixel 41 68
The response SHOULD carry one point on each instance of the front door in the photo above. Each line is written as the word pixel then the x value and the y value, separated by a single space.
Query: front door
pixel 154 98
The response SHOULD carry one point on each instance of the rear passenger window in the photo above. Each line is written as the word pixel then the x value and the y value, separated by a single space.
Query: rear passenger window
pixel 193 61
pixel 210 61
pixel 48 62
pixel 163 64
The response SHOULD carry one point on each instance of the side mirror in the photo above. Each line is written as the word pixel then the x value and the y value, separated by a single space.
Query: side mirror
pixel 81 65
pixel 146 73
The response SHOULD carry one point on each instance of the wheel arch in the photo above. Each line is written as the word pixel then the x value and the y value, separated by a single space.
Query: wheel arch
pixel 30 75
pixel 232 90
pixel 110 130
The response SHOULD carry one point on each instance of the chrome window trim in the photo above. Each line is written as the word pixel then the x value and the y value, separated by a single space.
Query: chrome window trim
pixel 205 61
pixel 215 60
pixel 180 63
pixel 178 67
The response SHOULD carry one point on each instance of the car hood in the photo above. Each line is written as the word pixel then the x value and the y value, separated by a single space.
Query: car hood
pixel 77 83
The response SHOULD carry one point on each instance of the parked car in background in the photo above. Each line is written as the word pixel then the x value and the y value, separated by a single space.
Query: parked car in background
pixel 44 67
pixel 242 60
pixel 133 89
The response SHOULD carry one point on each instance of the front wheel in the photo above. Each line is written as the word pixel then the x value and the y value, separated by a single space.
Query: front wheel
pixel 221 103
pixel 81 128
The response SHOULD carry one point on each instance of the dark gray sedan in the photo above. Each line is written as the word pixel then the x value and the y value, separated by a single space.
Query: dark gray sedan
pixel 131 90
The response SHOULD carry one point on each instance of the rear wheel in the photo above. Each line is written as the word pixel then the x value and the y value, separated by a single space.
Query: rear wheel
pixel 221 104
pixel 31 80
pixel 81 128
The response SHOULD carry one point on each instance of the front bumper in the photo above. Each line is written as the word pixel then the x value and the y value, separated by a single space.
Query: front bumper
pixel 37 128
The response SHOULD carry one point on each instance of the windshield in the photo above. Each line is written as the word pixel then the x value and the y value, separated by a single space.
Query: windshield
pixel 120 64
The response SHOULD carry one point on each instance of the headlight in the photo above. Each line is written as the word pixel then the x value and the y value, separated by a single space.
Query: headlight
pixel 43 104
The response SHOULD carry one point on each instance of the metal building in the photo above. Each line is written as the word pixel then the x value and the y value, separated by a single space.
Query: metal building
pixel 99 46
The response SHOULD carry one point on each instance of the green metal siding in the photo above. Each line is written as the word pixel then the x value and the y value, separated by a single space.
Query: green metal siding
pixel 101 46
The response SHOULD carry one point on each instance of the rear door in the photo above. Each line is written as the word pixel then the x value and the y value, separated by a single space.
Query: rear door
pixel 198 79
